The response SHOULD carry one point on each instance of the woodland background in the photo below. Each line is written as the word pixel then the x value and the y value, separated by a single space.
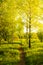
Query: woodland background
pixel 21 32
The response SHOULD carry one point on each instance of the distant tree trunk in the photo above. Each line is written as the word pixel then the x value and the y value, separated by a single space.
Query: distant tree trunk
pixel 27 33
pixel 30 32
pixel 30 25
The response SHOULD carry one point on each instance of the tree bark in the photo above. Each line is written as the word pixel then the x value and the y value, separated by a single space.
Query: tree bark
pixel 30 24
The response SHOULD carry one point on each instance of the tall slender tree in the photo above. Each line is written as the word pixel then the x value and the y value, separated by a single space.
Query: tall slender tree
pixel 30 24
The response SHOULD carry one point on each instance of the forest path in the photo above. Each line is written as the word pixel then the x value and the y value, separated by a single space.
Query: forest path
pixel 22 56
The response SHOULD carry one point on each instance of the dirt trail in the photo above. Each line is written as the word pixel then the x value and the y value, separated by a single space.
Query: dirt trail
pixel 22 56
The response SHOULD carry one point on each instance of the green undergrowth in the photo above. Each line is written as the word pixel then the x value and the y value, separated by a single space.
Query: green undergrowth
pixel 34 55
pixel 9 53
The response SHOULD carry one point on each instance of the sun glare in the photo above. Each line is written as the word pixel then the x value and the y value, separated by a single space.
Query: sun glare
pixel 40 21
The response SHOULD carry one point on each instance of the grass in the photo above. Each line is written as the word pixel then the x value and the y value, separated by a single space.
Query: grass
pixel 11 55
pixel 34 55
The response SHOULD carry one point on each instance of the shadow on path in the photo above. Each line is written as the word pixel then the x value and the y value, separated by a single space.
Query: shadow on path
pixel 22 56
